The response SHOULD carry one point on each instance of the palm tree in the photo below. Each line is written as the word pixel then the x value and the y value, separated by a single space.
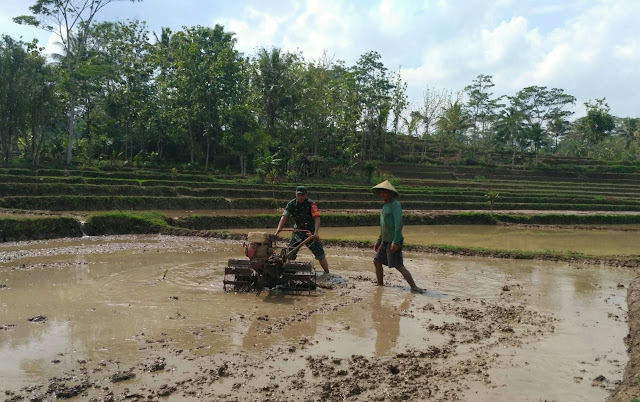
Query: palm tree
pixel 276 84
pixel 492 197
pixel 558 127
pixel 535 134
pixel 629 130
pixel 509 129
pixel 453 123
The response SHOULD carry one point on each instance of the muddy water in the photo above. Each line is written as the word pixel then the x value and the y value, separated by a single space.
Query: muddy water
pixel 106 299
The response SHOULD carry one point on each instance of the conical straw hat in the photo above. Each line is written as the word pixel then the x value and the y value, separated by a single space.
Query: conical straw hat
pixel 385 185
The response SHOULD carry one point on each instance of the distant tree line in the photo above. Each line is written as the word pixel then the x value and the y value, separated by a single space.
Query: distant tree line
pixel 190 97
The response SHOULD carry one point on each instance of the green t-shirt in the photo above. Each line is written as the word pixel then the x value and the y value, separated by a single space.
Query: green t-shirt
pixel 391 223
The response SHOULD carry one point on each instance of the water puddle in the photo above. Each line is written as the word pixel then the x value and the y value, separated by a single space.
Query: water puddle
pixel 114 302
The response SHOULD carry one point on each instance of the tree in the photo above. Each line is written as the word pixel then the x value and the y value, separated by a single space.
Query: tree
pixel 491 197
pixel 454 121
pixel 412 123
pixel 346 110
pixel 629 130
pixel 374 95
pixel 42 101
pixel 163 60
pixel 318 119
pixel 546 108
pixel 433 102
pixel 70 20
pixel 119 69
pixel 481 109
pixel 534 134
pixel 399 103
pixel 509 130
pixel 556 118
pixel 242 134
pixel 205 75
pixel 27 99
pixel 278 86
pixel 598 123
pixel 558 127
pixel 13 104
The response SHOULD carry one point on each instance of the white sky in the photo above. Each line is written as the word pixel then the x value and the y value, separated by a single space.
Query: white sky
pixel 589 48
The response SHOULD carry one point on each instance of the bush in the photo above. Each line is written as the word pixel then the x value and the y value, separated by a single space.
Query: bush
pixel 125 223
pixel 38 228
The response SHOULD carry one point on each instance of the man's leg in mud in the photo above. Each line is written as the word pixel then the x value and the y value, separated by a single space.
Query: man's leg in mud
pixel 324 264
pixel 407 277
pixel 318 251
pixel 379 273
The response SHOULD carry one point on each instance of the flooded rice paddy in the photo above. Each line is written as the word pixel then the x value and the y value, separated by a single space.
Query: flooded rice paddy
pixel 594 242
pixel 143 317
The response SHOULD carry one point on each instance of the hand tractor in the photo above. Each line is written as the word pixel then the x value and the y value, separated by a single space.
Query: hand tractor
pixel 265 268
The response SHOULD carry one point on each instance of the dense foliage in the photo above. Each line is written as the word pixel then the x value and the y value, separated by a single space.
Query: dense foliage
pixel 115 96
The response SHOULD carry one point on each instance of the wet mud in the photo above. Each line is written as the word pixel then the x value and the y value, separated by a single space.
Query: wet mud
pixel 145 318
pixel 629 388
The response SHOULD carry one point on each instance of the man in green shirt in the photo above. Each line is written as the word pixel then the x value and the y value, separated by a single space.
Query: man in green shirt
pixel 388 248
pixel 306 216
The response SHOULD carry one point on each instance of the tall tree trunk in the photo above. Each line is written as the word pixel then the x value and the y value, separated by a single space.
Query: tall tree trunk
pixel 424 143
pixel 363 148
pixel 206 162
pixel 72 118
pixel 316 135
pixel 191 145
pixel 384 145
pixel 5 139
pixel 40 144
pixel 33 139
pixel 243 165
pixel 371 142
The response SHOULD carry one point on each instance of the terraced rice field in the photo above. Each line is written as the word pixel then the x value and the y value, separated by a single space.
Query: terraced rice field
pixel 429 189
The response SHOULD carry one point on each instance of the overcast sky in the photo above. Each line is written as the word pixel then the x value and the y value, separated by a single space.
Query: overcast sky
pixel 589 48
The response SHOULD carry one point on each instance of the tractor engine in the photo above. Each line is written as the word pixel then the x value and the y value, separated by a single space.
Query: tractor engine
pixel 260 245
pixel 266 269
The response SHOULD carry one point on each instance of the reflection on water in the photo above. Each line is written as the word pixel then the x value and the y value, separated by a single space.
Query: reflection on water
pixel 99 304
pixel 386 321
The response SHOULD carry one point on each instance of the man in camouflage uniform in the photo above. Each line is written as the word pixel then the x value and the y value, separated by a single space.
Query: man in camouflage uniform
pixel 306 216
